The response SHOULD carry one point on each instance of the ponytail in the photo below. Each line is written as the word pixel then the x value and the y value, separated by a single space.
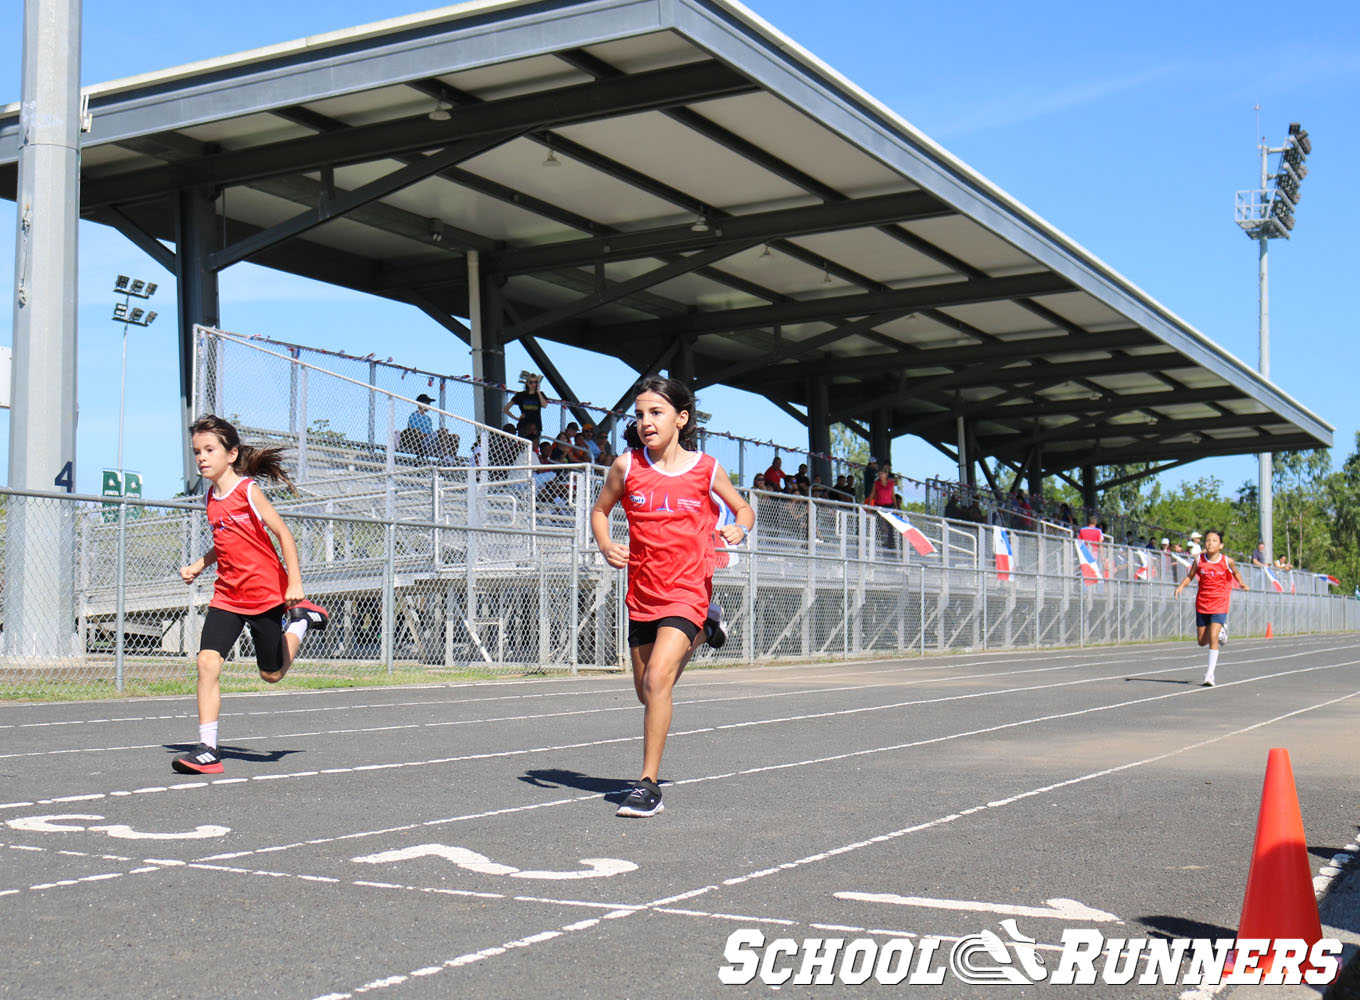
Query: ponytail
pixel 254 462
pixel 266 462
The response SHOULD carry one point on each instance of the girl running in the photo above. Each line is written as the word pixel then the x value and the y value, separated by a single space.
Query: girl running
pixel 252 590
pixel 667 491
pixel 1215 572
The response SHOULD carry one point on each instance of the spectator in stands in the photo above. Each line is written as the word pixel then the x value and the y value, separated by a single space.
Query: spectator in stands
pixel 446 445
pixel 774 475
pixel 418 437
pixel 1258 557
pixel 1091 534
pixel 571 451
pixel 842 491
pixel 592 445
pixel 870 475
pixel 953 510
pixel 759 483
pixel 1282 563
pixel 531 403
pixel 884 491
pixel 801 477
pixel 974 512
pixel 1066 518
pixel 1194 550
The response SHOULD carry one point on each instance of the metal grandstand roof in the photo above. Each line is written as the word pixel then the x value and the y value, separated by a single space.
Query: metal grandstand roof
pixel 675 183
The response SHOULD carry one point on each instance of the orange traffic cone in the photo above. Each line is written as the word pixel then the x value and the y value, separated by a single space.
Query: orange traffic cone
pixel 1270 634
pixel 1279 902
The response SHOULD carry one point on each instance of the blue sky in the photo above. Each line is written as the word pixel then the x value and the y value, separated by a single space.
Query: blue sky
pixel 1130 131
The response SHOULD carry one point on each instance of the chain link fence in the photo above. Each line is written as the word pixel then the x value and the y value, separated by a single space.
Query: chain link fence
pixel 483 571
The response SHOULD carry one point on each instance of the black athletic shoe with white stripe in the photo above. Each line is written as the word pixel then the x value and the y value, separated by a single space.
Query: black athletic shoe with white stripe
pixel 314 615
pixel 713 627
pixel 202 759
pixel 643 800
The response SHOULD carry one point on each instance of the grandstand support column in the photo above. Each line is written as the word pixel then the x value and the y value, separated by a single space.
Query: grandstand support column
pixel 819 428
pixel 683 367
pixel 40 534
pixel 880 434
pixel 196 288
pixel 961 429
pixel 1036 472
pixel 486 322
pixel 1088 487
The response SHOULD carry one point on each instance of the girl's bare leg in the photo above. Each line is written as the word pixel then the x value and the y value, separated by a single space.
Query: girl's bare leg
pixel 209 685
pixel 668 656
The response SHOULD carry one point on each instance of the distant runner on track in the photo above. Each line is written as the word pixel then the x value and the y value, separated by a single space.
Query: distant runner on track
pixel 1215 571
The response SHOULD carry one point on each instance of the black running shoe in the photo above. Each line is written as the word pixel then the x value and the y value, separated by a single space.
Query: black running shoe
pixel 202 759
pixel 643 800
pixel 314 615
pixel 1207 684
pixel 713 627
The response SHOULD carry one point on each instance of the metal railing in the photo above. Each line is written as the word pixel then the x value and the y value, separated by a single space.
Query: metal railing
pixel 480 570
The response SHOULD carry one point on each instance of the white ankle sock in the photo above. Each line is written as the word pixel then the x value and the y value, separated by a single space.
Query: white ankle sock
pixel 298 628
pixel 1213 662
pixel 207 734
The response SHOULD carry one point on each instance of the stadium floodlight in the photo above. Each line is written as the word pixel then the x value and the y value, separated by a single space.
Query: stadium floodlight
pixel 124 313
pixel 1264 214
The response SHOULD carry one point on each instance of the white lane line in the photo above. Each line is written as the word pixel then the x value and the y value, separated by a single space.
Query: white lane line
pixel 1192 660
pixel 784 766
pixel 740 725
pixel 907 665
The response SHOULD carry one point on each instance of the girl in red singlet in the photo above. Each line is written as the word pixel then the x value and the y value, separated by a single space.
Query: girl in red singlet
pixel 252 589
pixel 1215 572
pixel 667 491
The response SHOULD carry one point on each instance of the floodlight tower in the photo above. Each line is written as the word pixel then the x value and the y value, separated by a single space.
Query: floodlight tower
pixel 1267 213
pixel 128 315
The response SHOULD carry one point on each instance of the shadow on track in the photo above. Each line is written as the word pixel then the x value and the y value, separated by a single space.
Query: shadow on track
pixel 613 789
pixel 237 753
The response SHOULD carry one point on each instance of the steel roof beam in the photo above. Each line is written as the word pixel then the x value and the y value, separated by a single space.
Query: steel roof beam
pixel 505 118
pixel 622 289
pixel 759 226
pixel 335 204
pixel 836 307
pixel 908 357
pixel 1152 451
pixel 1080 429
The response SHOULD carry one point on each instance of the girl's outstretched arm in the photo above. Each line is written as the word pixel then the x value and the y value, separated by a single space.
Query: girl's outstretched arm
pixel 274 523
pixel 615 553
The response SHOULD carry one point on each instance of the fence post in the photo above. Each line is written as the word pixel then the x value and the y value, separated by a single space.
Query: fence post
pixel 748 640
pixel 372 403
pixel 574 611
pixel 120 596
pixel 302 422
pixel 388 597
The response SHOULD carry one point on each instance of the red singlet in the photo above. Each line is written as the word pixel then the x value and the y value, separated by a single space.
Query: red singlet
pixel 1215 586
pixel 250 577
pixel 671 517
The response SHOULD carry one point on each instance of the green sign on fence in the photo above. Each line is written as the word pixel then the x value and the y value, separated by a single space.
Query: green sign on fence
pixel 114 485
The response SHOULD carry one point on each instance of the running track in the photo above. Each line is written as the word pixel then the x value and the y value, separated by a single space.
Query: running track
pixel 459 840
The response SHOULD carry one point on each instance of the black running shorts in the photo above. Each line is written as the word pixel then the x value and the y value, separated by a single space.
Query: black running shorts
pixel 221 629
pixel 644 633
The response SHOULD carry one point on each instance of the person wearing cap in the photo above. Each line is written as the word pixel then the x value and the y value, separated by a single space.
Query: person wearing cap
pixel 1195 548
pixel 531 403
pixel 418 437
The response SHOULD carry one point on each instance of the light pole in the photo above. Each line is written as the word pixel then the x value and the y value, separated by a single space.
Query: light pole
pixel 128 315
pixel 1267 213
